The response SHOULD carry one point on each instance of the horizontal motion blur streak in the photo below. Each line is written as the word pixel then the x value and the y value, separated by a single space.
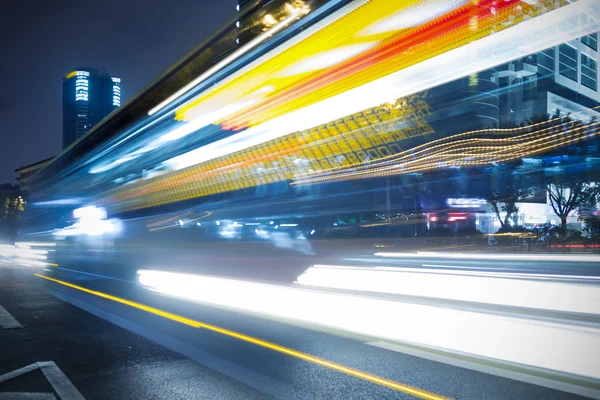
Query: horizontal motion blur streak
pixel 419 393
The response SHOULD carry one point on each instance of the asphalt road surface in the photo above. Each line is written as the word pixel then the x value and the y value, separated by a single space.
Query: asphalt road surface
pixel 118 340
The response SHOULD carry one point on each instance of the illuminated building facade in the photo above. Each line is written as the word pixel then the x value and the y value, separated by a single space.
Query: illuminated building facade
pixel 89 95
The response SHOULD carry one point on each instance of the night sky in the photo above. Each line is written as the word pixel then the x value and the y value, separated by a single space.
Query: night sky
pixel 41 41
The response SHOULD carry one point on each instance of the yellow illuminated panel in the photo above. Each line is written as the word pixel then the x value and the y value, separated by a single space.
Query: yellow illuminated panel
pixel 71 74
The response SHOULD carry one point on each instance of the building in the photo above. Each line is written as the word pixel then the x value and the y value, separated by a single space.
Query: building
pixel 568 77
pixel 89 95
pixel 564 77
pixel 28 182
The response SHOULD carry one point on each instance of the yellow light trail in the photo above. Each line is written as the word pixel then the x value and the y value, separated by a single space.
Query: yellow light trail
pixel 450 157
pixel 416 392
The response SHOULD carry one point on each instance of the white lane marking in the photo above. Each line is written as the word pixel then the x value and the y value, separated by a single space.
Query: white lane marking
pixel 59 381
pixel 7 321
pixel 490 369
pixel 18 372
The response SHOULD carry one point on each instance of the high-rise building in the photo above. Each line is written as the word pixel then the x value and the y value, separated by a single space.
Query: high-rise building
pixel 89 95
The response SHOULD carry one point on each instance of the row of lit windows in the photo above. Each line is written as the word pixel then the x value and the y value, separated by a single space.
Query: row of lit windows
pixel 82 88
pixel 116 100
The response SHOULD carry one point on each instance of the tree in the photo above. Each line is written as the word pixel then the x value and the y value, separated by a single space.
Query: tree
pixel 568 197
pixel 509 206
pixel 505 191
pixel 10 213
pixel 12 208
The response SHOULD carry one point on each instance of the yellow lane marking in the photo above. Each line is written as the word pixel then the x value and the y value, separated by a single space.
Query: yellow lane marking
pixel 423 394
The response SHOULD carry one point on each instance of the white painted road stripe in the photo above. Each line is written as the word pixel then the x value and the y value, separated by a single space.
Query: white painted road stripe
pixel 489 369
pixel 18 372
pixel 60 383
pixel 7 321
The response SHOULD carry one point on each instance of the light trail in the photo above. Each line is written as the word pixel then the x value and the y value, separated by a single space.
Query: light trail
pixel 567 348
pixel 544 291
pixel 453 151
pixel 581 258
pixel 541 32
pixel 225 62
pixel 416 392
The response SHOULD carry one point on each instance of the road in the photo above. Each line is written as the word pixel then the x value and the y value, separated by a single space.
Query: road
pixel 238 355
pixel 283 260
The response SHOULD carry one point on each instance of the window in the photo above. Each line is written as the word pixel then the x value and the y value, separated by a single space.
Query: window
pixel 546 61
pixel 529 89
pixel 589 70
pixel 567 61
pixel 591 41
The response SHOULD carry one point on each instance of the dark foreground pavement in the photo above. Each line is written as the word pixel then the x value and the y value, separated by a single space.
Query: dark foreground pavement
pixel 102 360
pixel 106 361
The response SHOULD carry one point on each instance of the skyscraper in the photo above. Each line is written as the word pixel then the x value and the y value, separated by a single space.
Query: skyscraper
pixel 89 95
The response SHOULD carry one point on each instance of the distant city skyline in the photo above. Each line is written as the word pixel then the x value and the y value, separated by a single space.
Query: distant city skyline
pixel 132 41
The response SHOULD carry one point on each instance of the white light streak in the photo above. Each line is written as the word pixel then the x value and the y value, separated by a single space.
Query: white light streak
pixel 528 37
pixel 226 61
pixel 564 348
pixel 490 288
pixel 489 256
